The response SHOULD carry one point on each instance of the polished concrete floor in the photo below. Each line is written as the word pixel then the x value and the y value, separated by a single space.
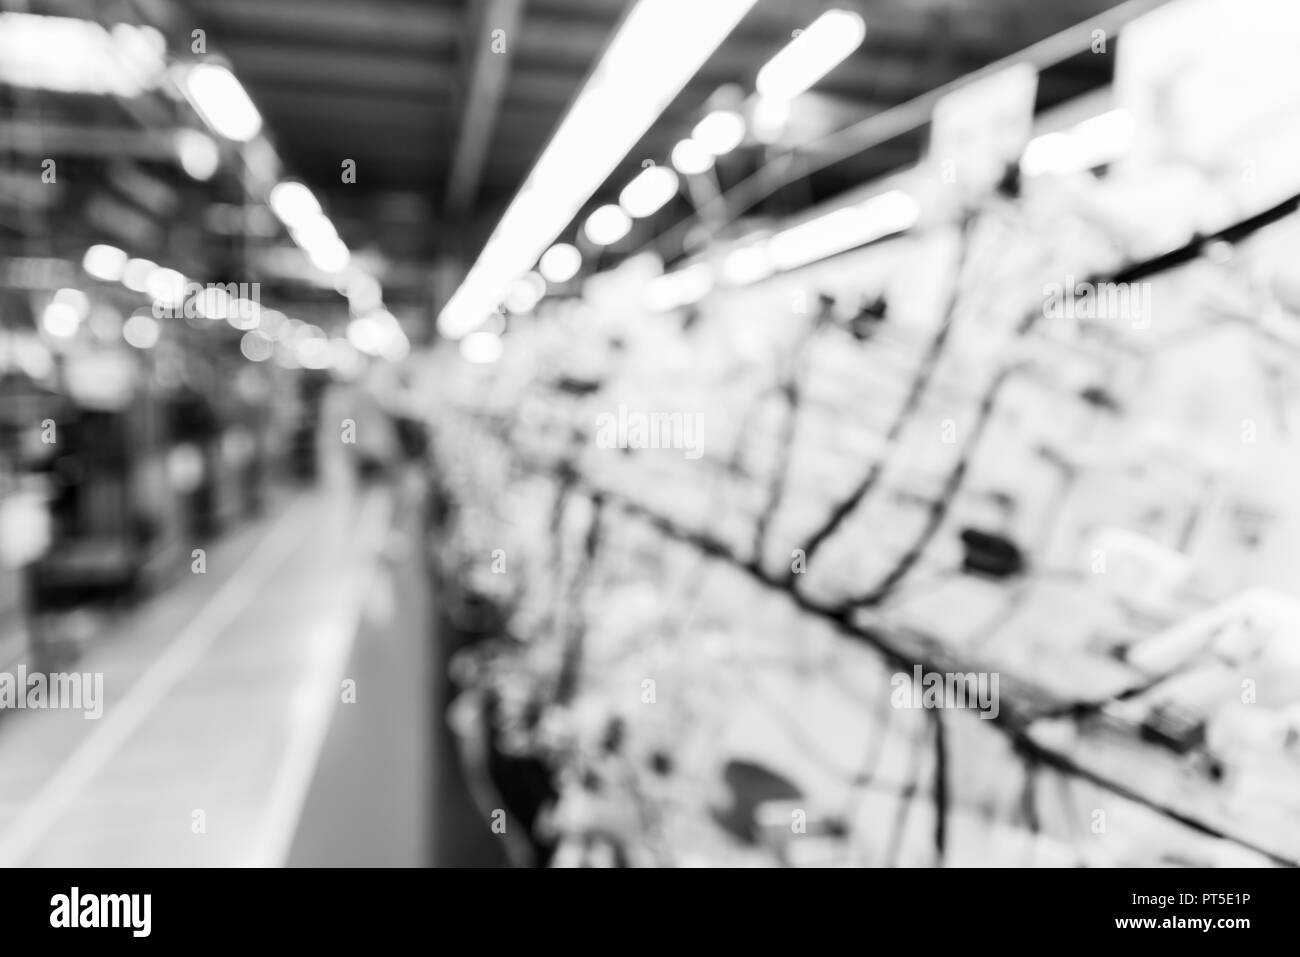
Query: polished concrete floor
pixel 280 708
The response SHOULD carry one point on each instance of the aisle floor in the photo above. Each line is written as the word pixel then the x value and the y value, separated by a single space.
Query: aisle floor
pixel 229 717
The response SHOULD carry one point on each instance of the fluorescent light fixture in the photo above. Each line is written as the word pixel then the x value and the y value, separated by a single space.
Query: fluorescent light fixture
pixel 75 298
pixel 60 320
pixel 720 132
pixel 747 264
pixel 294 203
pixel 244 314
pixel 313 353
pixel 843 229
pixel 1051 152
pixel 71 55
pixel 1114 128
pixel 526 293
pixel 198 154
pixel 213 303
pixel 313 232
pixel 256 347
pixel 653 187
pixel 317 231
pixel 818 238
pixel 367 334
pixel 810 56
pixel 166 286
pixel 1092 143
pixel 222 102
pixel 378 334
pixel 104 262
pixel 141 331
pixel 560 263
pixel 136 273
pixel 481 348
pixel 607 225
pixel 691 159
pixel 681 288
pixel 329 256
pixel 629 89
pixel 141 53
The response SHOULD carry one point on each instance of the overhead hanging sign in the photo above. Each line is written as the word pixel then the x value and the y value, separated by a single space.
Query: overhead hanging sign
pixel 980 128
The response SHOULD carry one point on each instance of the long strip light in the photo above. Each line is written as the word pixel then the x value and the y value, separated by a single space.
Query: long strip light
pixel 310 228
pixel 843 229
pixel 222 102
pixel 653 187
pixel 1094 142
pixel 293 203
pixel 560 263
pixel 720 132
pixel 607 225
pixel 681 288
pixel 104 262
pixel 691 159
pixel 72 55
pixel 810 56
pixel 632 85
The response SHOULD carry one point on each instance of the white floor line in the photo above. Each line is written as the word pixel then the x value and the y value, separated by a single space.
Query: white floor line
pixel 122 718
pixel 321 691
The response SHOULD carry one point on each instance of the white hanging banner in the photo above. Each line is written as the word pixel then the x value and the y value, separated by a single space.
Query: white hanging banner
pixel 1214 84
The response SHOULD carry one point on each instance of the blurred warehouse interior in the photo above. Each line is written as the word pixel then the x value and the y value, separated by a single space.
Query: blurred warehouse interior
pixel 569 432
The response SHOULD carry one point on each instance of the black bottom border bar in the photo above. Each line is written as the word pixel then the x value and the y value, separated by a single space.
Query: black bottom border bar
pixel 335 907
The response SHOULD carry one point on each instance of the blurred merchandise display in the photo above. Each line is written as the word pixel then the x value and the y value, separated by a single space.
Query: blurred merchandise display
pixel 713 539
pixel 666 615
pixel 834 451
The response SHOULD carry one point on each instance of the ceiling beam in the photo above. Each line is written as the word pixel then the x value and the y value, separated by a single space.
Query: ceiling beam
pixel 301 22
pixel 487 68
pixel 267 64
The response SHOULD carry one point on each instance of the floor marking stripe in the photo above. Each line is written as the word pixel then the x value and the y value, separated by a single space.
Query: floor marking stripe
pixel 321 692
pixel 42 810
